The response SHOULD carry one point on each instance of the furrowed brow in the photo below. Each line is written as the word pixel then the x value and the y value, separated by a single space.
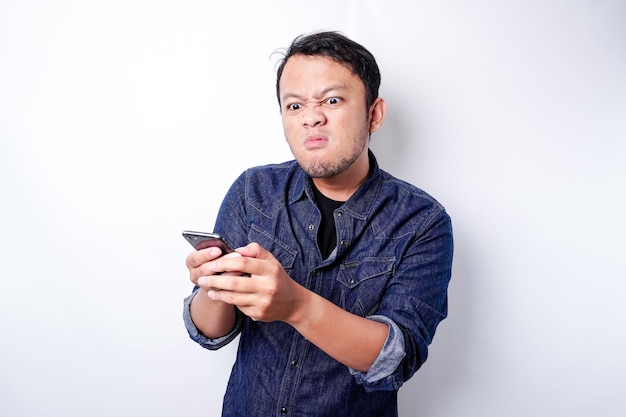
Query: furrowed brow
pixel 322 93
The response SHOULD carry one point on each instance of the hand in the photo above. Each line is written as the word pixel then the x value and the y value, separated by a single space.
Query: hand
pixel 198 264
pixel 213 318
pixel 267 294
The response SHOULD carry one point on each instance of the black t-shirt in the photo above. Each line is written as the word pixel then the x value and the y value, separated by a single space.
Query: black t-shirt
pixel 327 233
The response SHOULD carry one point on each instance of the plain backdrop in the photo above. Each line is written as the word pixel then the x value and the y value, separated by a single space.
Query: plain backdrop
pixel 124 122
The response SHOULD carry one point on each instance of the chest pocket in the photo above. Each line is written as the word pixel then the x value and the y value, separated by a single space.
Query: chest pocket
pixel 281 251
pixel 363 284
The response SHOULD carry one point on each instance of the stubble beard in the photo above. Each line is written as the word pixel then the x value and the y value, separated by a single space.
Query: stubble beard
pixel 328 169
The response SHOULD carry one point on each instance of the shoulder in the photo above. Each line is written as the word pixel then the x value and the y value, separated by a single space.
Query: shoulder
pixel 413 202
pixel 269 178
pixel 267 188
pixel 271 172
pixel 407 190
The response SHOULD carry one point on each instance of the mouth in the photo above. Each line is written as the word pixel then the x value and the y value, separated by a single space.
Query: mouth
pixel 315 142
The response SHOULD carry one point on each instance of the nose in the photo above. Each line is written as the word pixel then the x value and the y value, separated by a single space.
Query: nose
pixel 313 115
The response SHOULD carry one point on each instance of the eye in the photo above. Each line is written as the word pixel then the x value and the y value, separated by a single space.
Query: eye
pixel 293 106
pixel 333 101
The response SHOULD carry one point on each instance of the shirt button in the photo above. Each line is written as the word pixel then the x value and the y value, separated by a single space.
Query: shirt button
pixel 339 213
pixel 344 243
pixel 294 363
pixel 311 227
pixel 351 281
pixel 283 410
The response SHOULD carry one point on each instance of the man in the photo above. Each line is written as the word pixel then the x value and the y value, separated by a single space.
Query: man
pixel 341 273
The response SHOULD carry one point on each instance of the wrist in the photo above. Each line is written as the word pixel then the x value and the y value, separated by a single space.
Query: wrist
pixel 302 309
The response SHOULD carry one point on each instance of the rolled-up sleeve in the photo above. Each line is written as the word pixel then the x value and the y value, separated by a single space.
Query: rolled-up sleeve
pixel 414 304
pixel 382 374
pixel 198 337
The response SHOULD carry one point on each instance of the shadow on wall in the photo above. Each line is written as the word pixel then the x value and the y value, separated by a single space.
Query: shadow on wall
pixel 436 383
pixel 391 141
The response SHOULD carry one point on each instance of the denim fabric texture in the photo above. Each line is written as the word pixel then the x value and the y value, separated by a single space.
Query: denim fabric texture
pixel 392 264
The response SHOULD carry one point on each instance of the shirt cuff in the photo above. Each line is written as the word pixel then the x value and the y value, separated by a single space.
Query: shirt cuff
pixel 198 337
pixel 380 376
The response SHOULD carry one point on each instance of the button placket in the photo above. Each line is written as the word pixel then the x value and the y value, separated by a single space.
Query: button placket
pixel 342 242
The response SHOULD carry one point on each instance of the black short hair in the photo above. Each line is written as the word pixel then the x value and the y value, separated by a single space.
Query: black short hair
pixel 341 49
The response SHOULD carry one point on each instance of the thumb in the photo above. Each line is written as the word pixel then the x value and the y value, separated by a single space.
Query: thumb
pixel 254 250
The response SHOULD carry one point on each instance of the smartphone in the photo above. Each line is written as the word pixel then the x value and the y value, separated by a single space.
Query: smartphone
pixel 203 240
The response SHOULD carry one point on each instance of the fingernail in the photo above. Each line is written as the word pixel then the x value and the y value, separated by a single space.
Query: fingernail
pixel 211 294
pixel 202 281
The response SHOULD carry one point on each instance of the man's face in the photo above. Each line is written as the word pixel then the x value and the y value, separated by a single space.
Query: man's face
pixel 325 117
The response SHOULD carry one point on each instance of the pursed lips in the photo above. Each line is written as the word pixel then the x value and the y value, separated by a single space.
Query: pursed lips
pixel 315 141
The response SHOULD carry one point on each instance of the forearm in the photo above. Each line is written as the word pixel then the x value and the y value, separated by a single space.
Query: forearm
pixel 350 339
pixel 213 318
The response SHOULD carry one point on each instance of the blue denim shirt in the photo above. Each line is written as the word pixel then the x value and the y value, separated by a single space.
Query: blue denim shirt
pixel 392 264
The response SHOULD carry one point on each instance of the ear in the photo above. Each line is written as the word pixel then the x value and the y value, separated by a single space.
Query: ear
pixel 377 114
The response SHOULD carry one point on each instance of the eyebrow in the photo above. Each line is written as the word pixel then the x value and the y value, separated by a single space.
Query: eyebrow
pixel 321 93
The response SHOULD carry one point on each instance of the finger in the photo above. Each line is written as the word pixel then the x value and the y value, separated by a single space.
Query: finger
pixel 254 250
pixel 198 263
pixel 232 255
pixel 251 250
pixel 232 264
pixel 203 276
pixel 237 284
pixel 230 297
pixel 199 257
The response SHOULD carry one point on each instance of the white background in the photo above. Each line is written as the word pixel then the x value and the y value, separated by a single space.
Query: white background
pixel 124 122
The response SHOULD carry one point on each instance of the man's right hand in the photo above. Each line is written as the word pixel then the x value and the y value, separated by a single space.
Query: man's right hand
pixel 213 318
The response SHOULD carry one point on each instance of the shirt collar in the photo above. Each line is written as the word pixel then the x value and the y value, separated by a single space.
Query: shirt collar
pixel 359 205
